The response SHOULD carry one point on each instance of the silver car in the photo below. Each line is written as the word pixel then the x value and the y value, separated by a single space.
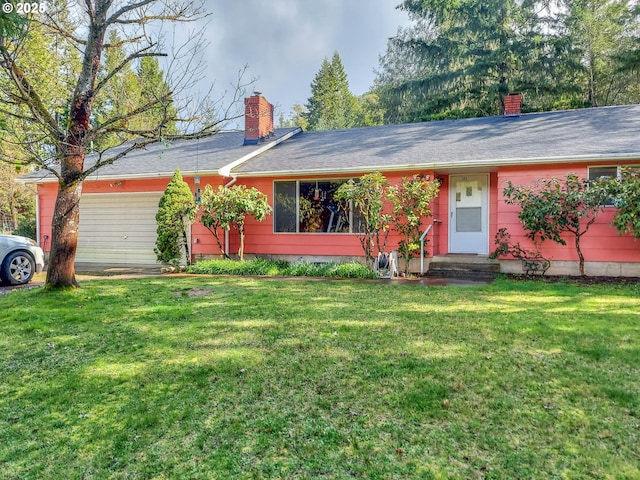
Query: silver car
pixel 20 258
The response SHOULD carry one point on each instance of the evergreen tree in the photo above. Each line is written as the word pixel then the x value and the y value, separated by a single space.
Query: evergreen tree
pixel 459 59
pixel 155 91
pixel 331 105
pixel 297 118
pixel 465 56
pixel 603 33
pixel 17 202
pixel 175 212
pixel 11 23
pixel 143 90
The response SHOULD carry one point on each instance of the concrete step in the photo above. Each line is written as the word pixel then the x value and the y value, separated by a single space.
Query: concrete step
pixel 463 266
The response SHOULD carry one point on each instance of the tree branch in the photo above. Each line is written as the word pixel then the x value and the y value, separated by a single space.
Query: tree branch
pixel 139 54
pixel 105 126
pixel 28 94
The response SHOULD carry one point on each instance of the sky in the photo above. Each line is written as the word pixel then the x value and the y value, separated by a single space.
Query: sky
pixel 283 43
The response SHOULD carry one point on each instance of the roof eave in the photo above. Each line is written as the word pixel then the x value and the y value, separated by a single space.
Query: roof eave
pixel 226 171
pixel 453 165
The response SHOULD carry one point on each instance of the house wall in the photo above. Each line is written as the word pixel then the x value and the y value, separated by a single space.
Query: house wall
pixel 606 252
pixel 262 240
pixel 47 193
pixel 602 243
pixel 47 197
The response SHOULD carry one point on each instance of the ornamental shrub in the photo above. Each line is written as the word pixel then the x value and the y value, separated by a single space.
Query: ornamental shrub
pixel 176 210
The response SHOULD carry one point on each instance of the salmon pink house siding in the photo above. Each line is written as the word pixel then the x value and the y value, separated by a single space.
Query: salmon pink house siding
pixel 602 244
pixel 473 159
pixel 264 239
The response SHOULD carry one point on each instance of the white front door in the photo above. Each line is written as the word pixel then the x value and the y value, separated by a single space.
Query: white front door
pixel 469 214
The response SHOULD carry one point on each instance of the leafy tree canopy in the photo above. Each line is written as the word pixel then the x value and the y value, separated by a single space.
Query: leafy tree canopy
pixel 626 194
pixel 411 201
pixel 366 195
pixel 223 208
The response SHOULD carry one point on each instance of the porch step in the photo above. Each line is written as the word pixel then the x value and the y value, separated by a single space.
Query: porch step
pixel 463 266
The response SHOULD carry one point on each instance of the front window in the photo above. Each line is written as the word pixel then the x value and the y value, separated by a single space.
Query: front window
pixel 308 206
pixel 596 173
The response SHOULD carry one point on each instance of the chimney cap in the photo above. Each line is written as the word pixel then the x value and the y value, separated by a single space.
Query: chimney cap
pixel 257 93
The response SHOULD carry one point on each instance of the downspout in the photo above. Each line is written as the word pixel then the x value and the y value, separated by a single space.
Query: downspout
pixel 226 232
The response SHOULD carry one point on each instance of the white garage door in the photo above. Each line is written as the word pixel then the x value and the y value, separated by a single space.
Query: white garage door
pixel 118 229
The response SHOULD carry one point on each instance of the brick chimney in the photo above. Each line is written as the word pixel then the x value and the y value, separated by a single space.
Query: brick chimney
pixel 258 119
pixel 512 104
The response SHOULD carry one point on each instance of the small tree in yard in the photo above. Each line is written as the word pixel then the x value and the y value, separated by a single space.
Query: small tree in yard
pixel 367 197
pixel 626 197
pixel 551 208
pixel 411 204
pixel 176 210
pixel 223 208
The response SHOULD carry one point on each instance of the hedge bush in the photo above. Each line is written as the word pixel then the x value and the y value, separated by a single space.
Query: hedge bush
pixel 261 266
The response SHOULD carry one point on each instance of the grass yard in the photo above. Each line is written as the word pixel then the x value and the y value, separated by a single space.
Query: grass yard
pixel 219 377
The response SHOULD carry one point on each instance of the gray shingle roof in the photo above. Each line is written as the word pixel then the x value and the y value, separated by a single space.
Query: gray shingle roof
pixel 607 133
pixel 587 134
pixel 203 156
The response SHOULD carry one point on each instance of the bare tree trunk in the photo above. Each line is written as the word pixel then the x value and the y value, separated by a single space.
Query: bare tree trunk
pixel 580 255
pixel 214 232
pixel 64 238
pixel 241 248
pixel 14 212
pixel 186 245
pixel 64 234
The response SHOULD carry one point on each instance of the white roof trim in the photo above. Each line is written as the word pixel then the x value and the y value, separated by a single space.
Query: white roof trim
pixel 449 164
pixel 225 171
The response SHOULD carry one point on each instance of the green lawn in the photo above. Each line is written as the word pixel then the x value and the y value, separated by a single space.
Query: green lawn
pixel 223 377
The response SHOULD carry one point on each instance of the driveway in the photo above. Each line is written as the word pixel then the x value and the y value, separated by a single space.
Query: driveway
pixel 91 272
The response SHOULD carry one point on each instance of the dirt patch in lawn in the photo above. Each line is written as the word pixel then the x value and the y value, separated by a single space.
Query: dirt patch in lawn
pixel 194 292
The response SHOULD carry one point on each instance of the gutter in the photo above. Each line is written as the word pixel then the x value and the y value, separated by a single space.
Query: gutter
pixel 451 164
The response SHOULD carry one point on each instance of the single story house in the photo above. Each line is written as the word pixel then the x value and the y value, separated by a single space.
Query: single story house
pixel 300 171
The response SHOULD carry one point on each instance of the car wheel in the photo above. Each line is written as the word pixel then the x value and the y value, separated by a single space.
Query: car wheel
pixel 18 268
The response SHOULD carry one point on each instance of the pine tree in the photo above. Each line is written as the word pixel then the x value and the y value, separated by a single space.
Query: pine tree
pixel 331 105
pixel 175 211
pixel 153 88
pixel 143 90
pixel 603 32
pixel 461 58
